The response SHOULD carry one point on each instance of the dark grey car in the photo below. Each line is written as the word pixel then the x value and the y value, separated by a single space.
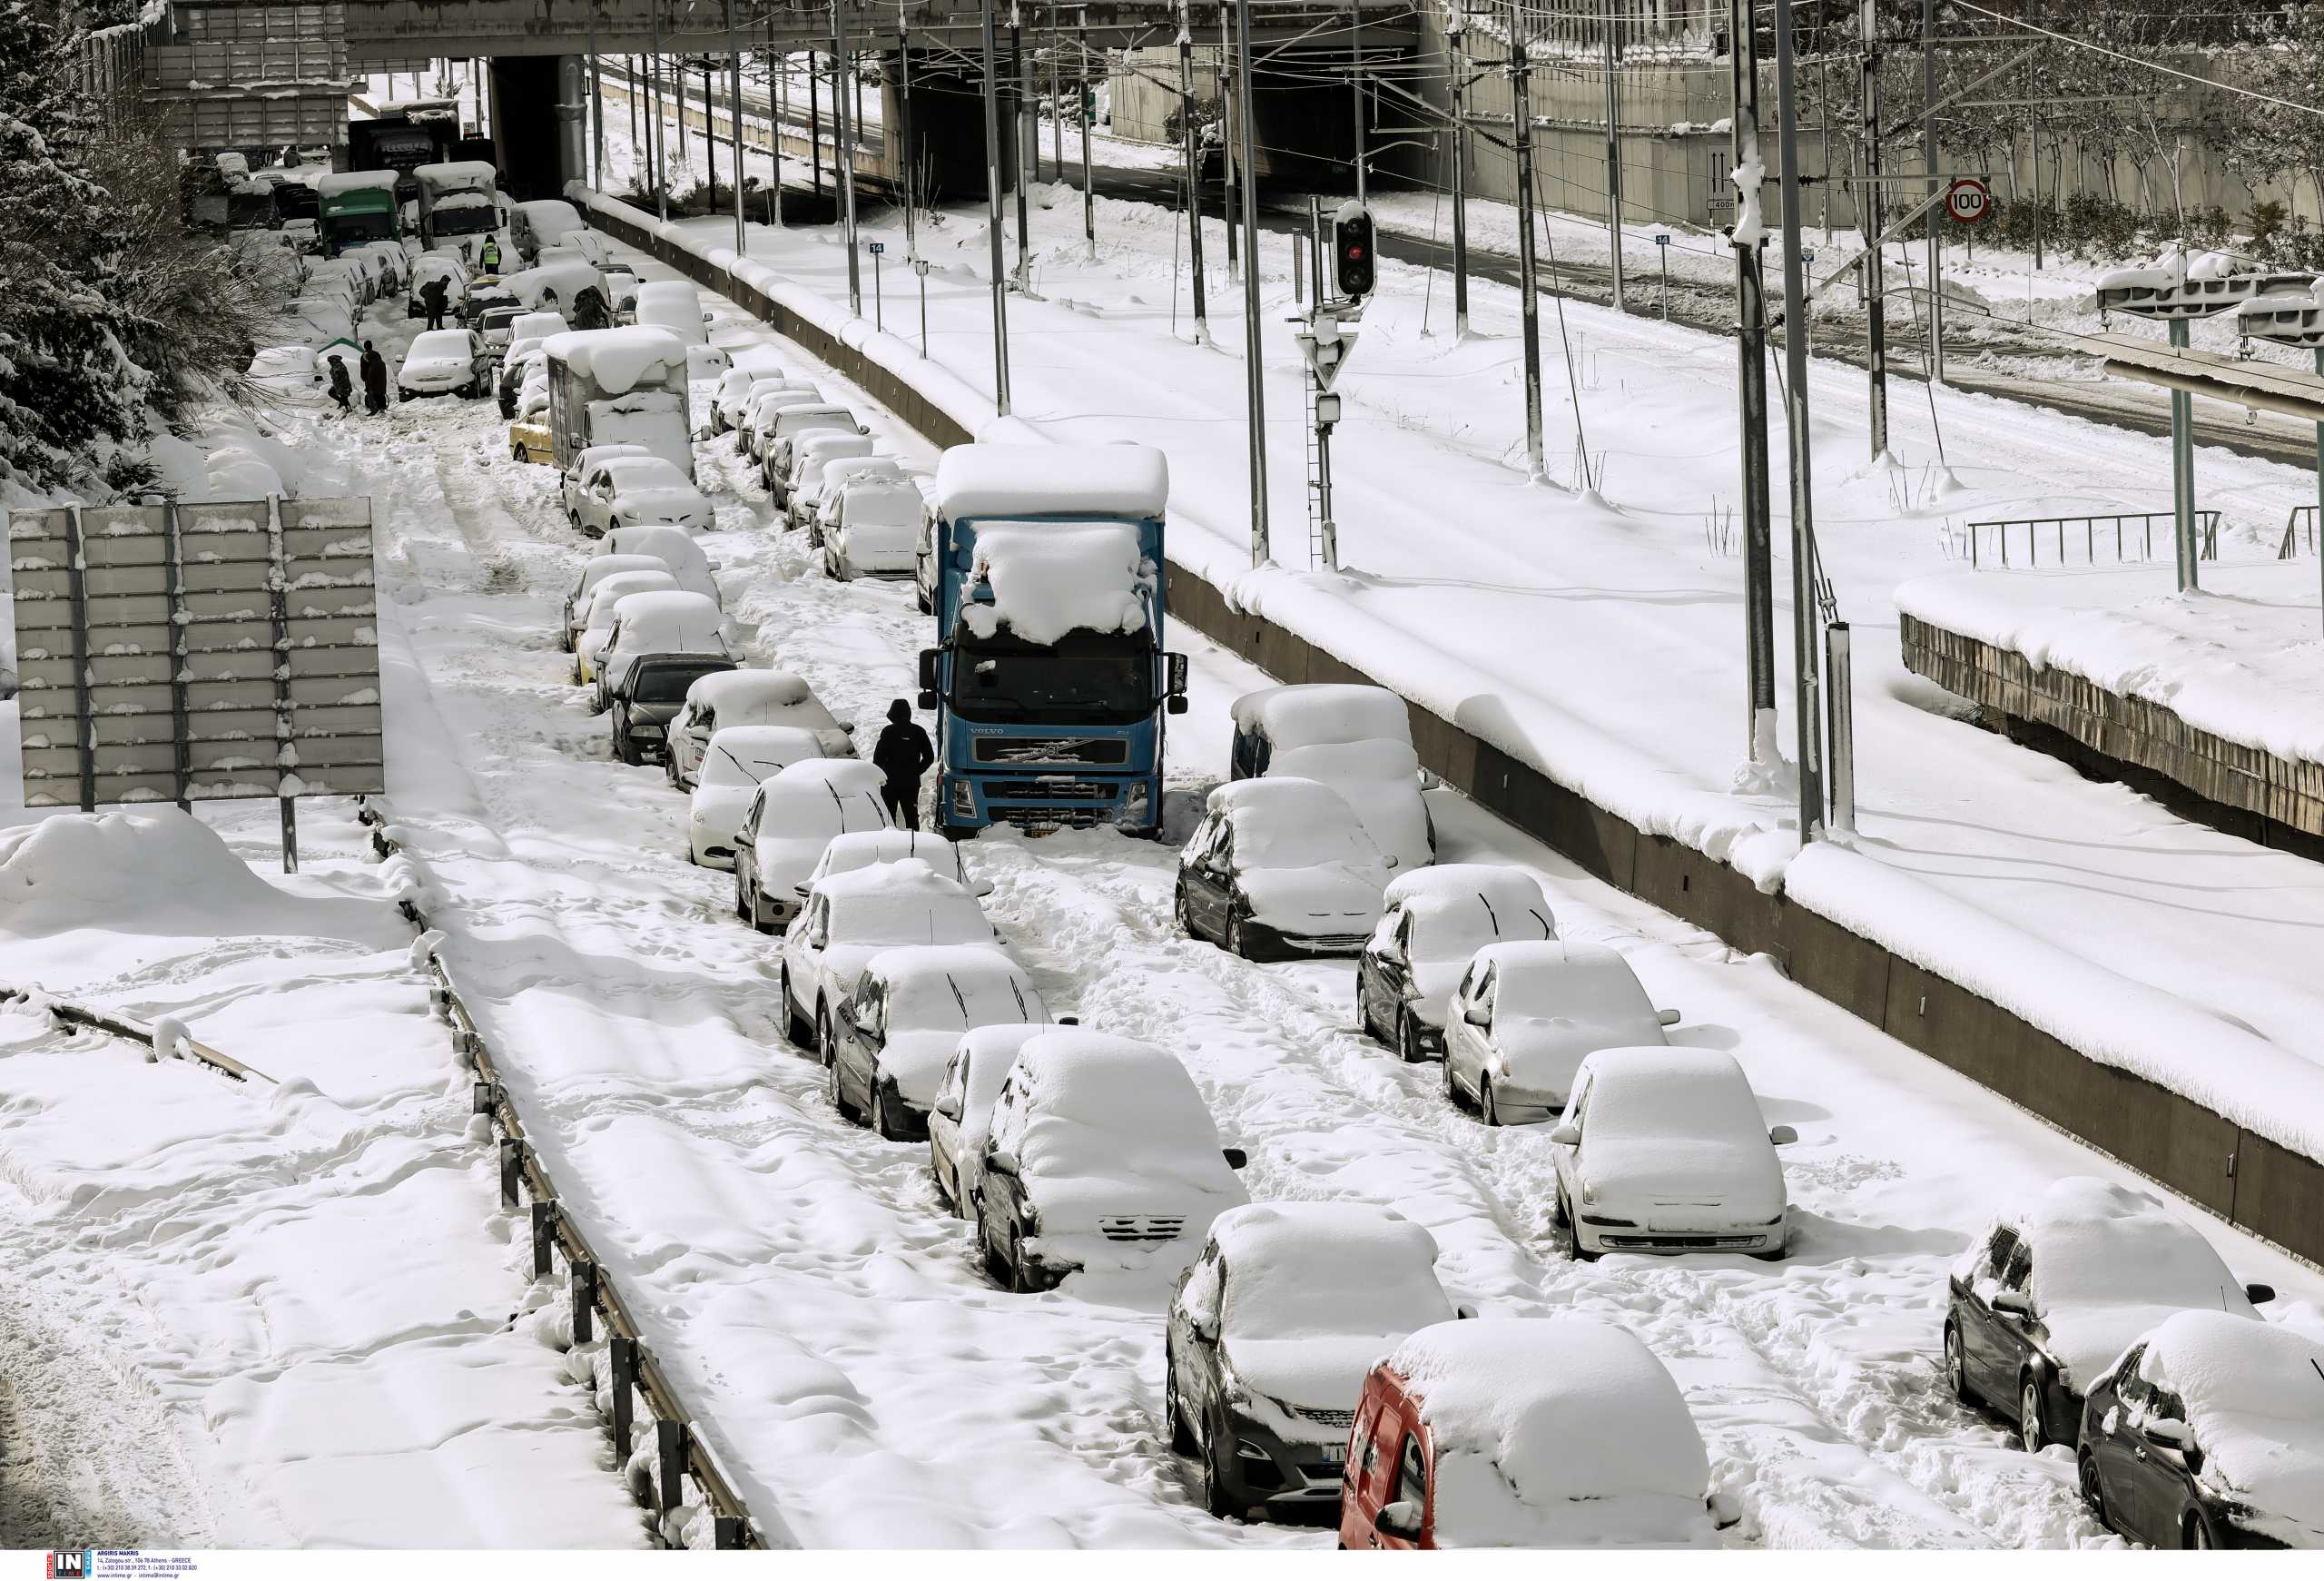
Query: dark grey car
pixel 649 695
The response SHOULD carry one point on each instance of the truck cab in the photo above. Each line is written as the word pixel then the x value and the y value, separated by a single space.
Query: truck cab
pixel 621 386
pixel 353 207
pixel 1050 680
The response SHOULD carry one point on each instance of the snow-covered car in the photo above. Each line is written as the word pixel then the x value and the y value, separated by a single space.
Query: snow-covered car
pixel 672 620
pixel 553 285
pixel 822 517
pixel 493 327
pixel 2206 1435
pixel 754 428
pixel 1356 739
pixel 849 918
pixel 739 758
pixel 810 457
pixel 793 817
pixel 577 601
pixel 962 1113
pixel 643 695
pixel 534 326
pixel 635 490
pixel 434 266
pixel 597 623
pixel 1269 1338
pixel 574 481
pixel 1664 1149
pixel 532 395
pixel 749 697
pixel 2053 1291
pixel 676 306
pixel 1280 868
pixel 733 385
pixel 1433 923
pixel 676 548
pixel 1102 1153
pixel 895 1034
pixel 874 528
pixel 1559 1432
pixel 519 364
pixel 542 223
pixel 1525 1014
pixel 870 847
pixel 444 362
pixel 791 424
pixel 393 262
pixel 621 293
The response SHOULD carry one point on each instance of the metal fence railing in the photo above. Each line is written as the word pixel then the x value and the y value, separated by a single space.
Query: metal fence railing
pixel 2300 524
pixel 2128 536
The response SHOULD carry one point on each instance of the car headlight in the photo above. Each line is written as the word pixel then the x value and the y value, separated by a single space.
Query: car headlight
pixel 653 730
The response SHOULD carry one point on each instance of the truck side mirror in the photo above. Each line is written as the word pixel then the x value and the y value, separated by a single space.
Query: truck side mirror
pixel 1174 705
pixel 927 680
pixel 927 701
pixel 1177 687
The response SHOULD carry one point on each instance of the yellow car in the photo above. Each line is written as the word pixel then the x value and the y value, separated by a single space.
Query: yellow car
pixel 530 442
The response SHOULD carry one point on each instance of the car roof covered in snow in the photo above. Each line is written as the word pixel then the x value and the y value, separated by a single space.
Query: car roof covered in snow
pixel 1671 1092
pixel 611 590
pixel 2254 1394
pixel 1453 884
pixel 618 360
pixel 437 343
pixel 910 875
pixel 1300 1270
pixel 739 688
pixel 1558 1412
pixel 1566 978
pixel 1048 579
pixel 672 621
pixel 1285 821
pixel 1324 713
pixel 821 776
pixel 538 326
pixel 554 212
pixel 863 848
pixel 1014 480
pixel 757 750
pixel 458 170
pixel 673 546
pixel 1119 1104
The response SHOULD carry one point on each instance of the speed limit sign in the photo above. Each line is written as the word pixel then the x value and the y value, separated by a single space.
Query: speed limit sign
pixel 1966 200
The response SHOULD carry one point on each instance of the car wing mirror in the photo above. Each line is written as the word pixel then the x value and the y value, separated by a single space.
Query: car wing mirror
pixel 1476 1015
pixel 800 889
pixel 1566 1135
pixel 1400 1521
pixel 1464 1310
pixel 1782 1135
pixel 1725 1509
pixel 2168 1431
pixel 949 1106
pixel 1666 1017
pixel 1235 1157
pixel 2015 1302
pixel 1000 1161
pixel 821 939
pixel 1069 1021
pixel 2258 1294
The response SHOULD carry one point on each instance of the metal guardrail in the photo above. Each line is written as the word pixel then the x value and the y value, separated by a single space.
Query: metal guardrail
pixel 679 1452
pixel 122 1027
pixel 2301 516
pixel 2056 530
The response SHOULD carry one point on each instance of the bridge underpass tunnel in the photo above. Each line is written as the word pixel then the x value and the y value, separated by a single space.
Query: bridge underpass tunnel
pixel 539 123
pixel 946 161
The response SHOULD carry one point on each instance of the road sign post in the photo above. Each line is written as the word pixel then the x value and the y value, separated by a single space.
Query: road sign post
pixel 920 268
pixel 1662 247
pixel 1967 199
pixel 879 305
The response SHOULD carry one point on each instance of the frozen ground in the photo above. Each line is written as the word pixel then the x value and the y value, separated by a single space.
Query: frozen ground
pixel 828 1321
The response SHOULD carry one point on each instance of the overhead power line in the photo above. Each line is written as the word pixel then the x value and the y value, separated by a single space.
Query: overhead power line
pixel 2156 66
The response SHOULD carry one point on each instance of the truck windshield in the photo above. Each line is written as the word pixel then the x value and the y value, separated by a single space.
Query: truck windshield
pixel 1085 678
pixel 464 220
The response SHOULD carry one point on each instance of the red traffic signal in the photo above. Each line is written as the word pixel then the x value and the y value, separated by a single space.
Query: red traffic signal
pixel 1352 265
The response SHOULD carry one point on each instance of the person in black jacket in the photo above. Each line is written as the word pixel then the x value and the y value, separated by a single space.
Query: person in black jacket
pixel 903 755
pixel 341 386
pixel 375 381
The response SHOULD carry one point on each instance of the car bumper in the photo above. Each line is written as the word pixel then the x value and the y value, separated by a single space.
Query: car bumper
pixel 1596 1235
pixel 1523 1105
pixel 1267 942
pixel 906 1118
pixel 878 562
pixel 1264 1473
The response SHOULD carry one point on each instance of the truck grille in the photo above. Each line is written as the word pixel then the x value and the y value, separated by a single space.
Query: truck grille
pixel 1057 790
pixel 1029 749
pixel 1141 1227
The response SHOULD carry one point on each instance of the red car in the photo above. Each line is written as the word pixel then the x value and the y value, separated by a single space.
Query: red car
pixel 1543 1432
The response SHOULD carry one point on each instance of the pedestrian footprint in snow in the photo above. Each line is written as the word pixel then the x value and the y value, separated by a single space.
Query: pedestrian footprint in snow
pixel 903 755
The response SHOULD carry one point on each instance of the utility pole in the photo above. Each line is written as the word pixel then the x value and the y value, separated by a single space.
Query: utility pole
pixel 709 134
pixel 661 166
pixel 1029 148
pixel 1087 100
pixel 1455 39
pixel 1254 370
pixel 1868 201
pixel 1935 221
pixel 905 154
pixel 814 124
pixel 1614 160
pixel 992 211
pixel 1194 161
pixel 1355 87
pixel 1529 292
pixel 778 116
pixel 629 73
pixel 735 103
pixel 843 74
pixel 597 113
pixel 1805 656
pixel 1227 160
pixel 1057 103
pixel 1751 345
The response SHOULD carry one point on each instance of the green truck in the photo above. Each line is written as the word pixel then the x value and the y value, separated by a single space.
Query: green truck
pixel 355 206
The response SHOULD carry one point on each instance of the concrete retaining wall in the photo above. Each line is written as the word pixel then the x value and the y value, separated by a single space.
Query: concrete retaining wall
pixel 2246 1178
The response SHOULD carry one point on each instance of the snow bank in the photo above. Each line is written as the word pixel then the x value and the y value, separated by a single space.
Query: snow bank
pixel 1323 714
pixel 2254 1394
pixel 1532 1417
pixel 109 869
pixel 1012 480
pixel 618 360
pixel 1048 579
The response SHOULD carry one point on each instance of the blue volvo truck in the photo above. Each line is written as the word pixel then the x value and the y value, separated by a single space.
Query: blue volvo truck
pixel 1049 681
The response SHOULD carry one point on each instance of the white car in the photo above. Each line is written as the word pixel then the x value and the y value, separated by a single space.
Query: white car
pixel 605 601
pixel 848 919
pixel 1101 1154
pixel 1358 740
pixel 793 817
pixel 632 490
pixel 1269 1335
pixel 668 621
pixel 528 329
pixel 727 403
pixel 869 848
pixel 804 487
pixel 1664 1149
pixel 837 476
pixel 621 294
pixel 874 530
pixel 755 427
pixel 1280 868
pixel 791 424
pixel 676 548
pixel 576 602
pixel 739 758
pixel 431 266
pixel 893 1036
pixel 1526 1014
pixel 444 362
pixel 394 263
pixel 747 696
pixel 962 1113
pixel 574 481
pixel 1433 923
pixel 542 223
pixel 532 395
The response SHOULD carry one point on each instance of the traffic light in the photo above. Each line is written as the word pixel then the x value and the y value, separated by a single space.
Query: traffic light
pixel 1352 266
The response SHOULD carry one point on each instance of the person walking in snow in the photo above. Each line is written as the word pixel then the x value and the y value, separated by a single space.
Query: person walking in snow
pixel 341 386
pixel 903 755
pixel 589 309
pixel 433 297
pixel 375 379
pixel 489 257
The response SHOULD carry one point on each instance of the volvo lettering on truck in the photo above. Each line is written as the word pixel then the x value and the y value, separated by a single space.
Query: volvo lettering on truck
pixel 1049 681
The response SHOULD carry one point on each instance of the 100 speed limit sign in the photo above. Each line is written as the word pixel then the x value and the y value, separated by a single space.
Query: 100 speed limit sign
pixel 1966 200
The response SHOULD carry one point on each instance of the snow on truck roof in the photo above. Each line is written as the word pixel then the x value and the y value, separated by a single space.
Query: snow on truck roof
pixel 1048 579
pixel 339 182
pixel 470 171
pixel 2253 1393
pixel 1323 714
pixel 987 480
pixel 1561 1408
pixel 617 361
